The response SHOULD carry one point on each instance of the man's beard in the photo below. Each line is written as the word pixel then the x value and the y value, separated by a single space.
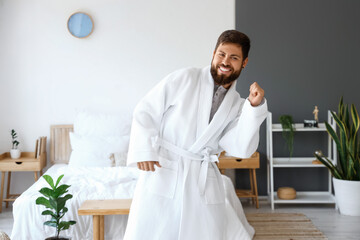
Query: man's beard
pixel 223 79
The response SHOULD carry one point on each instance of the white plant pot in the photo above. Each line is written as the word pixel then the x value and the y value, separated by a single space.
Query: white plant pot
pixel 15 153
pixel 347 195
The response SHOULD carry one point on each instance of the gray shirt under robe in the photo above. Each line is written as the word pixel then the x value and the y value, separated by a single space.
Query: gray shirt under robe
pixel 218 97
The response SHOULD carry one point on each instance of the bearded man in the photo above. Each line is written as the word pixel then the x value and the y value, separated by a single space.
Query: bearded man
pixel 178 129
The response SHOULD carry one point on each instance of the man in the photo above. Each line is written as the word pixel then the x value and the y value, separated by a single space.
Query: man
pixel 177 130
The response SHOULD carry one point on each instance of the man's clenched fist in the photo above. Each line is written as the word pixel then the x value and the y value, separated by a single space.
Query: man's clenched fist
pixel 256 94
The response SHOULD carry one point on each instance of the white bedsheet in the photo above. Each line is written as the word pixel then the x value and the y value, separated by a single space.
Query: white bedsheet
pixel 98 183
pixel 86 183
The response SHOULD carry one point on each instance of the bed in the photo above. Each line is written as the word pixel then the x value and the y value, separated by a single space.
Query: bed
pixel 87 182
pixel 92 179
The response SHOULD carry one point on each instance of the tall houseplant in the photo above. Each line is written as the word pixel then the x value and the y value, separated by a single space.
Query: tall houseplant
pixel 288 132
pixel 346 173
pixel 55 201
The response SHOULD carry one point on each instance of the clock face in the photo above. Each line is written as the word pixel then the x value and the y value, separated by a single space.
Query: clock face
pixel 80 25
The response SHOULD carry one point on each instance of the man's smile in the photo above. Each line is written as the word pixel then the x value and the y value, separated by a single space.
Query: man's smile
pixel 224 70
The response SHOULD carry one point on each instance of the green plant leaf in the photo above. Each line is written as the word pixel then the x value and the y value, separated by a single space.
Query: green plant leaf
pixel 62 200
pixel 58 180
pixel 54 204
pixel 341 108
pixel 333 135
pixel 338 122
pixel 50 223
pixel 43 201
pixel 334 171
pixel 47 192
pixel 65 209
pixel 48 212
pixel 49 180
pixel 344 154
pixel 65 225
pixel 355 118
pixel 288 131
pixel 346 120
pixel 61 190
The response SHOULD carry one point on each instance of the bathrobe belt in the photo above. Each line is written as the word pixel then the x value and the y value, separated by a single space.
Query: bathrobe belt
pixel 205 157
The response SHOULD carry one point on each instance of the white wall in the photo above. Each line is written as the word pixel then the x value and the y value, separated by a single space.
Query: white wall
pixel 46 74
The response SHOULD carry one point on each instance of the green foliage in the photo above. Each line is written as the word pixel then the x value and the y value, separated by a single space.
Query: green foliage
pixel 347 144
pixel 15 143
pixel 287 124
pixel 55 200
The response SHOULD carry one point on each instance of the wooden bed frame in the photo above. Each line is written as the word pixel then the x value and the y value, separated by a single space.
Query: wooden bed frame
pixel 60 148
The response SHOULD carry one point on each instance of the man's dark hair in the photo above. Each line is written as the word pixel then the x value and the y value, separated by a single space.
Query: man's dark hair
pixel 236 37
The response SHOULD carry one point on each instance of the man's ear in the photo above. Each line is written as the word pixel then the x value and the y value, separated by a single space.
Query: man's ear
pixel 245 62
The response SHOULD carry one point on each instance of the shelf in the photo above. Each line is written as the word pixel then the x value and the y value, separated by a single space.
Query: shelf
pixel 295 162
pixel 299 127
pixel 307 197
pixel 299 162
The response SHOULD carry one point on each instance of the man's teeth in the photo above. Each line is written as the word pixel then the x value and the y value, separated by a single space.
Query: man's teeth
pixel 224 69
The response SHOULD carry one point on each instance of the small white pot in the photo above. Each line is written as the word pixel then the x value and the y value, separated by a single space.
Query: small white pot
pixel 15 153
pixel 347 195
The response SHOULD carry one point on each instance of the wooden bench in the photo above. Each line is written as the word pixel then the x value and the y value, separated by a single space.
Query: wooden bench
pixel 99 208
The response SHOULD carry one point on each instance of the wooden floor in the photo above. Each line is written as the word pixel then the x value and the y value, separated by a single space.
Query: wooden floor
pixel 334 225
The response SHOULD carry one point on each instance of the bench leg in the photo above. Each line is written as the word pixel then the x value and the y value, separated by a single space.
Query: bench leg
pixel 96 227
pixel 102 230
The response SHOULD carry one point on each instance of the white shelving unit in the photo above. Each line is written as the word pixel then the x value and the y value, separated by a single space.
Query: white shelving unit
pixel 297 162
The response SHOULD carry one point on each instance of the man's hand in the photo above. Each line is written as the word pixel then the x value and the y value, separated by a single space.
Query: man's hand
pixel 148 165
pixel 256 94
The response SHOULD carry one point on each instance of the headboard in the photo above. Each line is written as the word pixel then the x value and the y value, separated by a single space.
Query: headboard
pixel 60 148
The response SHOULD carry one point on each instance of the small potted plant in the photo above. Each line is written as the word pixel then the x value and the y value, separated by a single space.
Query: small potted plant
pixel 55 201
pixel 14 152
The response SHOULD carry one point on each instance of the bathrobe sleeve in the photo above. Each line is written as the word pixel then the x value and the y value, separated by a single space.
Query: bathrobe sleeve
pixel 147 118
pixel 241 136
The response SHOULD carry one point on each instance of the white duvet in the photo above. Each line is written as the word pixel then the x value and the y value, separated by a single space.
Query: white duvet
pixel 95 183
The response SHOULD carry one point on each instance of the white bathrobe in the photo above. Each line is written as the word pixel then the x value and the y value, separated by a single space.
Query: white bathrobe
pixel 185 198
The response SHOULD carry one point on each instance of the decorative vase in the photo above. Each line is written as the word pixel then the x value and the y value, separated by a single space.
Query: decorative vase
pixel 347 195
pixel 15 153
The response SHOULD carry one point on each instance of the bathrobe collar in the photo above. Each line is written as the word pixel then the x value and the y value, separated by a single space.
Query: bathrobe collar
pixel 205 130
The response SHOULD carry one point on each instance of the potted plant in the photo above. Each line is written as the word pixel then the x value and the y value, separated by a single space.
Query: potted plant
pixel 288 132
pixel 15 153
pixel 346 172
pixel 53 199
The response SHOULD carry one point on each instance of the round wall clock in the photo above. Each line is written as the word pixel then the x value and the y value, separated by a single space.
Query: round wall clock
pixel 80 25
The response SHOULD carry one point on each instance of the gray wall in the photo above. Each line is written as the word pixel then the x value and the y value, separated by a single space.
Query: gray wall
pixel 304 53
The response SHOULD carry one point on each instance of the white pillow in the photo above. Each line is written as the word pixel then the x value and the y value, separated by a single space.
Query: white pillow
pixel 89 159
pixel 95 124
pixel 95 151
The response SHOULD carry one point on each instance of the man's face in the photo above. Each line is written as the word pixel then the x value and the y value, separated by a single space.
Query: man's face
pixel 227 63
